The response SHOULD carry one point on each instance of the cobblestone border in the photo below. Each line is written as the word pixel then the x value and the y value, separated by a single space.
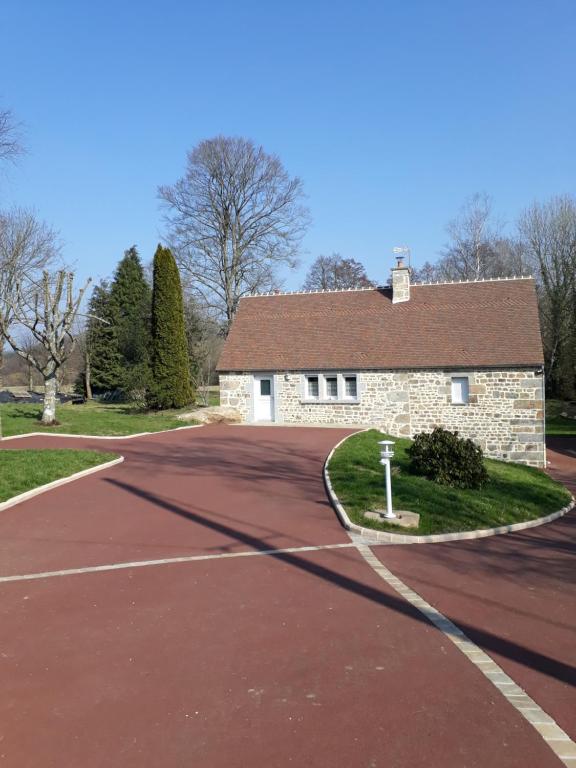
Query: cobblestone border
pixel 385 537
pixel 56 483
pixel 557 739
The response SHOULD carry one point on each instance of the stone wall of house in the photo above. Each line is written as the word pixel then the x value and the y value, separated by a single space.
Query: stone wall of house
pixel 235 392
pixel 504 414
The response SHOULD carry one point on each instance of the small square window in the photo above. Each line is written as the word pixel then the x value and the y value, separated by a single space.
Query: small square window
pixel 460 390
pixel 312 388
pixel 331 387
pixel 265 387
pixel 350 387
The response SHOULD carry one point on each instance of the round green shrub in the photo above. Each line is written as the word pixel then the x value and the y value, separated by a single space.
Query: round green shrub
pixel 444 457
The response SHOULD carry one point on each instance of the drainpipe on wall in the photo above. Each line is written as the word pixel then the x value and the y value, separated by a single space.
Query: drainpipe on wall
pixel 541 370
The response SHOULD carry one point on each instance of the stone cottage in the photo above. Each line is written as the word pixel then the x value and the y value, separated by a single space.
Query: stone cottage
pixel 404 358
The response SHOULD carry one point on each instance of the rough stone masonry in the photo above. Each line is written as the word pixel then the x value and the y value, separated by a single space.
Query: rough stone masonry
pixel 504 414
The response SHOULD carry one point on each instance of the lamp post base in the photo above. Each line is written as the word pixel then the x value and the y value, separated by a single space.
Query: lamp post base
pixel 401 518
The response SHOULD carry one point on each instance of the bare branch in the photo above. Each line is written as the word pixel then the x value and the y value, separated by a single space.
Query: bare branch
pixel 27 247
pixel 336 273
pixel 10 137
pixel 548 234
pixel 477 248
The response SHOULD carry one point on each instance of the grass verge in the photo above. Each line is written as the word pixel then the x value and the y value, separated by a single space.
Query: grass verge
pixel 89 419
pixel 558 425
pixel 21 471
pixel 513 494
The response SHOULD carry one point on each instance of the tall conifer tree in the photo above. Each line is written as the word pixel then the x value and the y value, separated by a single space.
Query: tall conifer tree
pixel 130 298
pixel 170 366
pixel 105 363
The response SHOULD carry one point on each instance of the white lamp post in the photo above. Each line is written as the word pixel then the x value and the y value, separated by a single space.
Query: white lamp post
pixel 386 453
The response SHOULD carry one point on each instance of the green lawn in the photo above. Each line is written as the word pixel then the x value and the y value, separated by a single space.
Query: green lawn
pixel 513 494
pixel 212 400
pixel 21 471
pixel 90 419
pixel 556 424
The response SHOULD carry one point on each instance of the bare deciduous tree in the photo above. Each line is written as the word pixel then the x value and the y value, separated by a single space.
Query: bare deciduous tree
pixel 472 234
pixel 508 258
pixel 10 143
pixel 47 311
pixel 427 273
pixel 477 249
pixel 27 247
pixel 232 220
pixel 334 272
pixel 549 236
pixel 205 338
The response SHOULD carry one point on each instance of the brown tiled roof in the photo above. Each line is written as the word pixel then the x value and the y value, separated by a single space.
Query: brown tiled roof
pixel 467 325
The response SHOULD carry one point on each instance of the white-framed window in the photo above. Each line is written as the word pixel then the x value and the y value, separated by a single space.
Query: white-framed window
pixel 330 387
pixel 351 387
pixel 460 390
pixel 312 387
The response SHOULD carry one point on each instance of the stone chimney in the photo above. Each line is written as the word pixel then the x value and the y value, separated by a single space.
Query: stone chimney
pixel 400 281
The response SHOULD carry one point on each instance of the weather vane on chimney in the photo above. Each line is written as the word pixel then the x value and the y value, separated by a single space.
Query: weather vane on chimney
pixel 400 251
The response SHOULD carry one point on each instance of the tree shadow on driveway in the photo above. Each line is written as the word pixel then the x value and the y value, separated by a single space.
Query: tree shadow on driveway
pixel 545 554
pixel 507 648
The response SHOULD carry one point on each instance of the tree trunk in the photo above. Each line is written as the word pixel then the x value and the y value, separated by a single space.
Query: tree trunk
pixel 30 378
pixel 50 391
pixel 88 378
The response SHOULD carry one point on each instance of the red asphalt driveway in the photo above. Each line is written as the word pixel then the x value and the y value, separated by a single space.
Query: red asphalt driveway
pixel 513 595
pixel 303 658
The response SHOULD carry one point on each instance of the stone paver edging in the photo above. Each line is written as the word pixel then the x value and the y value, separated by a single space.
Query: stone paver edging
pixel 98 437
pixel 172 561
pixel 557 739
pixel 56 483
pixel 385 537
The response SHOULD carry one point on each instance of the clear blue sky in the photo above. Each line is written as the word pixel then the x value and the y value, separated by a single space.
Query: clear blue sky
pixel 392 113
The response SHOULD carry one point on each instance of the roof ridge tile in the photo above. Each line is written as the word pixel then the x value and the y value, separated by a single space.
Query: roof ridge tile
pixel 384 287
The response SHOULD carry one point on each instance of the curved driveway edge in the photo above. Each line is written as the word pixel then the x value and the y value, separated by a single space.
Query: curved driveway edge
pixel 385 537
pixel 97 437
pixel 57 483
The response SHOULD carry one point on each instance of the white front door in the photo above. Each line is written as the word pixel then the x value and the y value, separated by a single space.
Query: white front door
pixel 263 398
